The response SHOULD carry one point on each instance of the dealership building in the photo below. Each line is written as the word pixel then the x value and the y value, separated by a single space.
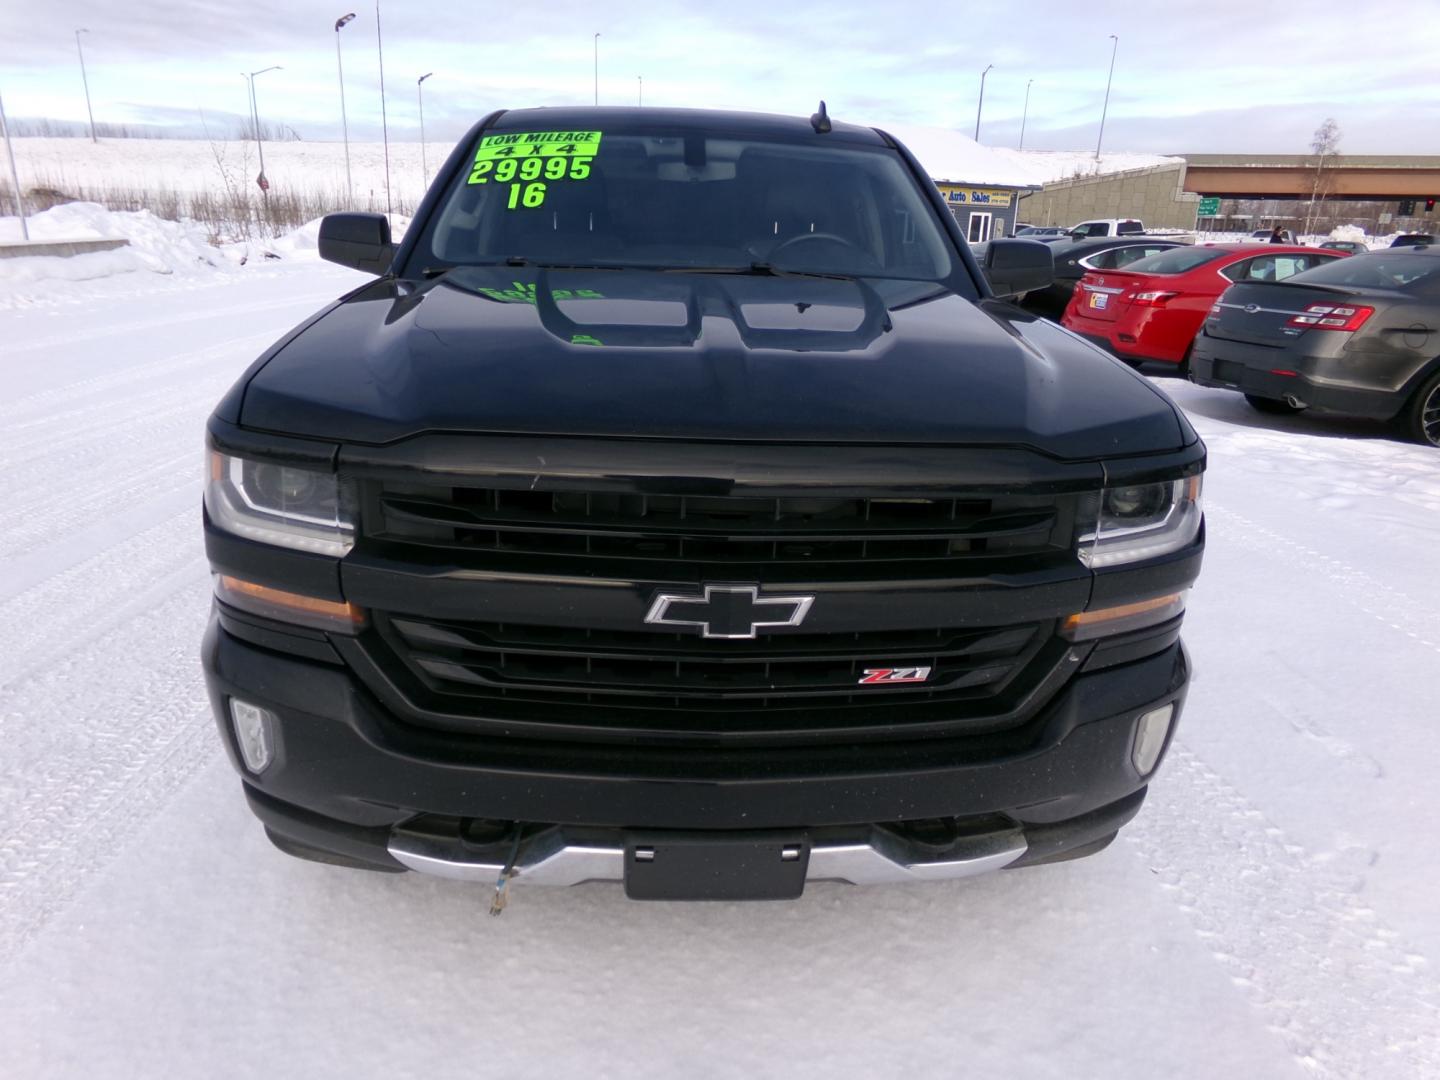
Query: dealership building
pixel 982 186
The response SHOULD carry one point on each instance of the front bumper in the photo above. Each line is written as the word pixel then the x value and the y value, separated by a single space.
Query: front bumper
pixel 351 779
pixel 1316 381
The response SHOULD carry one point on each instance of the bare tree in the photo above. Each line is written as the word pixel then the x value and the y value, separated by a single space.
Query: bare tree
pixel 1325 146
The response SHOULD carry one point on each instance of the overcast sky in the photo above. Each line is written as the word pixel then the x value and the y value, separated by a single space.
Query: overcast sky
pixel 1212 76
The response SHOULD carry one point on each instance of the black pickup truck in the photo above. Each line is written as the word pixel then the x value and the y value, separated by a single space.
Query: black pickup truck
pixel 683 506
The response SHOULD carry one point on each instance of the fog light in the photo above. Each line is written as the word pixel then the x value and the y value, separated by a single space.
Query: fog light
pixel 253 728
pixel 1150 735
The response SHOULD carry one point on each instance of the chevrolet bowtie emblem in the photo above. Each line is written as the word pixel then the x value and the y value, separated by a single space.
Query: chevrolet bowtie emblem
pixel 728 611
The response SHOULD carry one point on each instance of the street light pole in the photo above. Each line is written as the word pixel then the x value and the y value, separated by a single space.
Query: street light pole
pixel 1106 107
pixel 981 103
pixel 420 93
pixel 344 123
pixel 86 81
pixel 261 180
pixel 597 69
pixel 640 91
pixel 14 175
pixel 384 123
pixel 1025 114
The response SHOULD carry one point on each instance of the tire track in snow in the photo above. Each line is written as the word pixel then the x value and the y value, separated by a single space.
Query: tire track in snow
pixel 101 416
pixel 1338 987
pixel 110 492
pixel 1389 605
pixel 54 427
pixel 111 330
pixel 97 744
pixel 54 617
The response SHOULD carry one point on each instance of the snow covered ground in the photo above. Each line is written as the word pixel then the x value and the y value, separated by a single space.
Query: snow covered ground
pixel 196 165
pixel 1270 914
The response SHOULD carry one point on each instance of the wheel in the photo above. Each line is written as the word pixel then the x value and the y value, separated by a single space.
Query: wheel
pixel 1272 406
pixel 1183 371
pixel 1422 417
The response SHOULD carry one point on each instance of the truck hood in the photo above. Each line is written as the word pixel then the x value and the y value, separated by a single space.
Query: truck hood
pixel 702 357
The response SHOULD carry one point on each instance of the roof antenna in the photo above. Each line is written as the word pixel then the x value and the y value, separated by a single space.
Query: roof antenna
pixel 820 121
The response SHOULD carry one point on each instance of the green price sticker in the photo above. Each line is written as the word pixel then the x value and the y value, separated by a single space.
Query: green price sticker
pixel 530 160
pixel 561 144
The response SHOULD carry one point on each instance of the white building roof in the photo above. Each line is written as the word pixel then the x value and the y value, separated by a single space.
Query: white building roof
pixel 950 157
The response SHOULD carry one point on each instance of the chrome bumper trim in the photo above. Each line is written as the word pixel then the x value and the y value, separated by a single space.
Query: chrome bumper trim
pixel 563 856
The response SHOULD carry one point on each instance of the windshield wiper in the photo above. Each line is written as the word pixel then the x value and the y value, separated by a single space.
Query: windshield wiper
pixel 760 269
pixel 541 264
pixel 520 261
pixel 754 269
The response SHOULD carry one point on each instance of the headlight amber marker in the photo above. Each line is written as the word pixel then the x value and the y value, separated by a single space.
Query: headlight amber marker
pixel 270 602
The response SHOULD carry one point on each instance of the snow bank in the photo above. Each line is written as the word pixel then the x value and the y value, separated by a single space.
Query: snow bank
pixel 155 246
pixel 178 252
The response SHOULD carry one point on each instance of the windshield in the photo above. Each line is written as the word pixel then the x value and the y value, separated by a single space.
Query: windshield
pixel 1384 270
pixel 687 200
pixel 1175 261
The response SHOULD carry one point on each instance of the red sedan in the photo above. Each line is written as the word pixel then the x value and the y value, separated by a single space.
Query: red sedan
pixel 1153 308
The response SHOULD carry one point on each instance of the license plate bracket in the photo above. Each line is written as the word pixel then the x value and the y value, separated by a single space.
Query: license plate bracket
pixel 768 866
pixel 1229 371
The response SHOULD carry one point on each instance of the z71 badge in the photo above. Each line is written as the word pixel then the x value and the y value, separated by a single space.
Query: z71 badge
pixel 895 674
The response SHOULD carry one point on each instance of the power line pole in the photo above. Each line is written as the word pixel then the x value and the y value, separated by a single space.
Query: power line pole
pixel 420 93
pixel 1025 114
pixel 1106 107
pixel 981 103
pixel 640 91
pixel 597 69
pixel 86 82
pixel 262 181
pixel 344 123
pixel 384 123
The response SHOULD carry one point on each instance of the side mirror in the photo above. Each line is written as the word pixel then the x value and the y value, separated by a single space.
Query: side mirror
pixel 359 241
pixel 1018 266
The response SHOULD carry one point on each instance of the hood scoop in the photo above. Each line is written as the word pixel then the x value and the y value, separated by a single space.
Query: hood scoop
pixel 697 295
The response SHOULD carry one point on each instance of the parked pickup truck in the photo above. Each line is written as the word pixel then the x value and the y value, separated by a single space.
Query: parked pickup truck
pixel 1088 230
pixel 681 505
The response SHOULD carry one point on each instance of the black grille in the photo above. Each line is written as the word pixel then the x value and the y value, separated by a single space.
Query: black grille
pixel 585 682
pixel 637 666
pixel 714 529
pixel 561 670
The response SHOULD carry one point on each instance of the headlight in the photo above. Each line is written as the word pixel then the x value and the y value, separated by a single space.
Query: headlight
pixel 279 504
pixel 1140 521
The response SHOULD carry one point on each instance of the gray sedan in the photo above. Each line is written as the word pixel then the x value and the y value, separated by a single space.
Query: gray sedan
pixel 1359 336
